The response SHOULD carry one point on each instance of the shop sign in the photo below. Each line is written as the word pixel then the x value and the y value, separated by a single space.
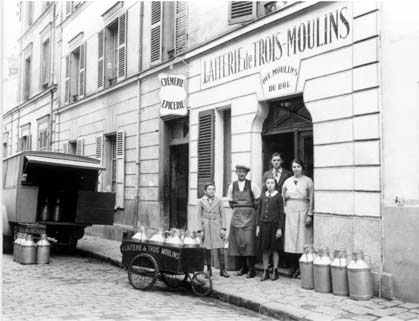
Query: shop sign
pixel 277 53
pixel 172 95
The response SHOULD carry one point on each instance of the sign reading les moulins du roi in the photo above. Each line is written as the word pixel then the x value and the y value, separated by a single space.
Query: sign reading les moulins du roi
pixel 277 52
pixel 172 95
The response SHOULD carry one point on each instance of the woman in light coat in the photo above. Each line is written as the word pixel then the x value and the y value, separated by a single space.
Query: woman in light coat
pixel 213 221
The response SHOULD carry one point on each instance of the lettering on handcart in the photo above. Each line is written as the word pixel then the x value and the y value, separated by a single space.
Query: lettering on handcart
pixel 151 248
pixel 170 253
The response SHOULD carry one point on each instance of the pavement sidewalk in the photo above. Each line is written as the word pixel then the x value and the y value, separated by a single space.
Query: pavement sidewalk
pixel 283 299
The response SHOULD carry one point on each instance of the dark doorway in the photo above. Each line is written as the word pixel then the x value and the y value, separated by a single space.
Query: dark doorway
pixel 178 198
pixel 288 129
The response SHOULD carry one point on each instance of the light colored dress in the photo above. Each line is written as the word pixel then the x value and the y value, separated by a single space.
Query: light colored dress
pixel 298 196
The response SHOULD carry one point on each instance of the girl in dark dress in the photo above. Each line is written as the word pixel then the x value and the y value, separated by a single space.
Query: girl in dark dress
pixel 270 225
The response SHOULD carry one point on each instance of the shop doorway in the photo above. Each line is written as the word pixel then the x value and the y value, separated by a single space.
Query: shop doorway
pixel 288 129
pixel 177 170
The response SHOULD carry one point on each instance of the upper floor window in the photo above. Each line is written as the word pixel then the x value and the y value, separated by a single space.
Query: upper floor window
pixel 29 13
pixel 112 53
pixel 27 71
pixel 5 144
pixel 45 62
pixel 43 133
pixel 75 74
pixel 245 11
pixel 25 140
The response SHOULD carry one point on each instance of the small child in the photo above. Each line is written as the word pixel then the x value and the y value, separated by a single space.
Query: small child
pixel 270 221
pixel 213 221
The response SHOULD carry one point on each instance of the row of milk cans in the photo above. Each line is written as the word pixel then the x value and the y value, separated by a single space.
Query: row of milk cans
pixel 26 251
pixel 325 275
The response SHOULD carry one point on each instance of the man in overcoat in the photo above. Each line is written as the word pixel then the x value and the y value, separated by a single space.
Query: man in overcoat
pixel 242 196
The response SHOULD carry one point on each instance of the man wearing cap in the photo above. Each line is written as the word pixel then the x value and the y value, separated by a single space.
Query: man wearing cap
pixel 242 195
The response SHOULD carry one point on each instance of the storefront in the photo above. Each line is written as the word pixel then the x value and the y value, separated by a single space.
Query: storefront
pixel 299 87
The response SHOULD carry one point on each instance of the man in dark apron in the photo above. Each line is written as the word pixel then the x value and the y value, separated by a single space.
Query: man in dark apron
pixel 242 196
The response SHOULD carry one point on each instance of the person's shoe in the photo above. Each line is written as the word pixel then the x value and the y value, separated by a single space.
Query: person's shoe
pixel 242 271
pixel 209 271
pixel 224 273
pixel 265 275
pixel 251 274
pixel 274 275
pixel 296 274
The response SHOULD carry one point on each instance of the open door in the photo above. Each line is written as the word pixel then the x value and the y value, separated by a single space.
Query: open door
pixel 95 208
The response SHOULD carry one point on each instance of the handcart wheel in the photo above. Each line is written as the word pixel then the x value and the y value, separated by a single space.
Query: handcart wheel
pixel 201 283
pixel 174 280
pixel 143 271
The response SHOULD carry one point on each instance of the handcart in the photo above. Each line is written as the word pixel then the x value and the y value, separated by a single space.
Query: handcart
pixel 174 265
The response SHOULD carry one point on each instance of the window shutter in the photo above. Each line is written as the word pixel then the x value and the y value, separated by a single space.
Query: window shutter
pixel 67 80
pixel 241 11
pixel 65 148
pixel 180 26
pixel 99 147
pixel 120 169
pixel 82 70
pixel 205 149
pixel 156 32
pixel 101 59
pixel 80 147
pixel 122 45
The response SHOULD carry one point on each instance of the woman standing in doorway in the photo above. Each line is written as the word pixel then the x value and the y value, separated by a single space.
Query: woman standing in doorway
pixel 297 193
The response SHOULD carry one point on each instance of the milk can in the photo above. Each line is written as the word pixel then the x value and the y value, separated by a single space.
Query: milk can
pixel 322 280
pixel 141 235
pixel 359 277
pixel 17 249
pixel 306 268
pixel 44 212
pixel 28 252
pixel 43 250
pixel 57 213
pixel 339 273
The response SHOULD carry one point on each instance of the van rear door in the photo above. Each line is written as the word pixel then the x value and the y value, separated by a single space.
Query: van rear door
pixel 95 208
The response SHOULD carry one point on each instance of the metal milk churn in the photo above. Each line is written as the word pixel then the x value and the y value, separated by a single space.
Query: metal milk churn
pixel 141 235
pixel 17 247
pixel 306 268
pixel 359 277
pixel 57 213
pixel 322 279
pixel 339 273
pixel 44 212
pixel 28 252
pixel 43 250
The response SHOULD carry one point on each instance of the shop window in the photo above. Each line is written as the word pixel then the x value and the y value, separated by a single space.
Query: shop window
pixel 246 11
pixel 43 134
pixel 75 74
pixel 45 62
pixel 205 149
pixel 226 150
pixel 163 35
pixel 112 55
pixel 114 154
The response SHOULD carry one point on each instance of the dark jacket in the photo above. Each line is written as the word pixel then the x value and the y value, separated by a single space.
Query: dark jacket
pixel 271 209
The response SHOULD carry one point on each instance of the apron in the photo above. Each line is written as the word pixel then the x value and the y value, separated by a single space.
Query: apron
pixel 242 240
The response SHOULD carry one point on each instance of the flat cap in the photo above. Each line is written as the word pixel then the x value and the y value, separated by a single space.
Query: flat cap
pixel 238 166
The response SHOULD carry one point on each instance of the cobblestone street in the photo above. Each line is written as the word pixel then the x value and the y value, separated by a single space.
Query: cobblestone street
pixel 84 289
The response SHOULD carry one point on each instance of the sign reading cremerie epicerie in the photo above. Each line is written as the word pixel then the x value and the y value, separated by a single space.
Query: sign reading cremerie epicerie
pixel 277 52
pixel 172 95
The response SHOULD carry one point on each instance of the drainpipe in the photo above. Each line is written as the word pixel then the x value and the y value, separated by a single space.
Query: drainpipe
pixel 52 73
pixel 140 68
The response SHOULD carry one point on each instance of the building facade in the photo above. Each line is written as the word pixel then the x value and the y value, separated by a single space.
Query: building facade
pixel 328 82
